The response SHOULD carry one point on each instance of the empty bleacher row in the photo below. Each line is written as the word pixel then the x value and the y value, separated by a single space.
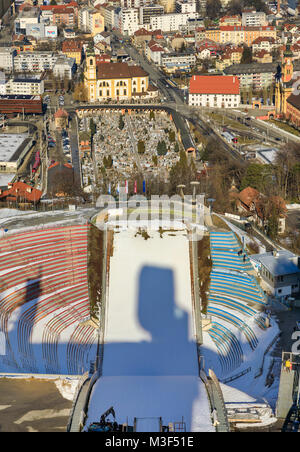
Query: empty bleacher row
pixel 235 300
pixel 44 299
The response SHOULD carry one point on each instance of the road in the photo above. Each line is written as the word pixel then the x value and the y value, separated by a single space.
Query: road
pixel 266 129
pixel 73 134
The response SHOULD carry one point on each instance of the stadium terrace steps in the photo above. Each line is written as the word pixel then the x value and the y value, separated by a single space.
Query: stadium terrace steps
pixel 44 289
pixel 228 347
pixel 235 300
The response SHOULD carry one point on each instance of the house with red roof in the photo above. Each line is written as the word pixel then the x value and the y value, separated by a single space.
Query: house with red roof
pixel 154 52
pixel 214 91
pixel 21 192
pixel 252 204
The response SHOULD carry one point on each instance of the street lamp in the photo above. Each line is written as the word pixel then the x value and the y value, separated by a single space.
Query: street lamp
pixel 194 184
pixel 181 187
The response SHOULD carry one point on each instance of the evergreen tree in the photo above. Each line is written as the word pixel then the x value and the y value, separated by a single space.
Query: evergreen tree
pixel 121 122
pixel 247 56
pixel 162 148
pixel 141 147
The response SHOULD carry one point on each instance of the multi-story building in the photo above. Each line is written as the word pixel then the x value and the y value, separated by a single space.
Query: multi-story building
pixel 186 6
pixel 263 43
pixel 108 13
pixel 238 34
pixel 131 3
pixel 214 91
pixel 64 16
pixel 254 19
pixel 73 49
pixel 27 17
pixel 113 80
pixel 256 76
pixel 171 22
pixel 23 86
pixel 64 68
pixel 91 20
pixel 154 52
pixel 7 56
pixel 34 61
pixel 169 5
pixel 146 12
pixel 48 11
pixel 172 62
pixel 230 21
pixel 129 21
pixel 231 56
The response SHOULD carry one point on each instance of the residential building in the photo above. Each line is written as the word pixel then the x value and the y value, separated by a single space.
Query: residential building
pixel 171 22
pixel 185 6
pixel 169 5
pixel 251 202
pixel 21 192
pixel 27 86
pixel 73 49
pixel 174 61
pixel 7 56
pixel 280 272
pixel 129 21
pixel 64 67
pixel 263 43
pixel 230 21
pixel 64 16
pixel 148 11
pixel 34 61
pixel 256 76
pixel 154 52
pixel 254 19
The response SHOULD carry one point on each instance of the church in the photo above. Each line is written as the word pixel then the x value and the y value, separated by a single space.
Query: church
pixel 118 81
pixel 287 89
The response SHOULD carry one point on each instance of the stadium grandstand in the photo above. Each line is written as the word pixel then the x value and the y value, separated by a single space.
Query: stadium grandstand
pixel 44 301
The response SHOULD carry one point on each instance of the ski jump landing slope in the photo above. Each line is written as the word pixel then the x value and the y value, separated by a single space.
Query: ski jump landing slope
pixel 150 359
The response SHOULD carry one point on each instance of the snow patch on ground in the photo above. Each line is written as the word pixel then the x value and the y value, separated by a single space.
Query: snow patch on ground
pixel 67 387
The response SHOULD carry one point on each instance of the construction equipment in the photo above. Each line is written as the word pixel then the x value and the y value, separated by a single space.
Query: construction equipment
pixel 106 425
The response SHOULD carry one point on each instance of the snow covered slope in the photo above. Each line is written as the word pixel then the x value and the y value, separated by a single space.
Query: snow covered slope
pixel 150 365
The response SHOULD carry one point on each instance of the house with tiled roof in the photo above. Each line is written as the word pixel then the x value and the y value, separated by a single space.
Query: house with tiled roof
pixel 262 57
pixel 73 49
pixel 214 91
pixel 21 193
pixel 61 118
pixel 154 52
pixel 230 20
pixel 250 202
pixel 263 43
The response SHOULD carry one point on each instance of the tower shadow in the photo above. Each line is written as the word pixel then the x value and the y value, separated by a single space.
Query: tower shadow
pixel 156 377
